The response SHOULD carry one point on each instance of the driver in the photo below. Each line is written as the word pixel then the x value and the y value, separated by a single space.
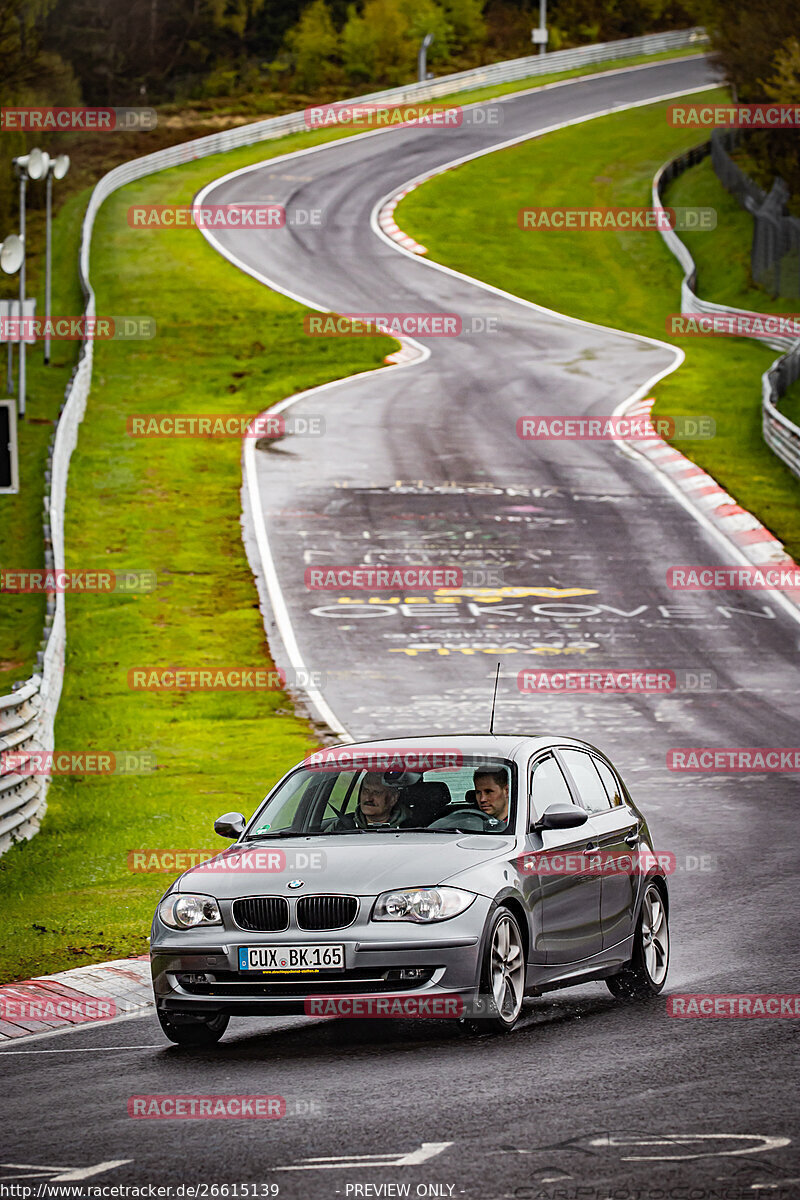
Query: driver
pixel 491 794
pixel 378 804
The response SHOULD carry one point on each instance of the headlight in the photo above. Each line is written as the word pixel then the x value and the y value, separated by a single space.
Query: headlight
pixel 183 910
pixel 421 905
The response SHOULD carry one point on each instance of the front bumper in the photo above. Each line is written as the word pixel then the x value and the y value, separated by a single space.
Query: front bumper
pixel 196 971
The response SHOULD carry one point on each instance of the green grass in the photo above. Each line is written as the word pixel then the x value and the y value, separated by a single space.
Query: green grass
pixel 467 218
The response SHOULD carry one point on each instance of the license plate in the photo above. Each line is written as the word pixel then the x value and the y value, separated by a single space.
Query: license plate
pixel 290 958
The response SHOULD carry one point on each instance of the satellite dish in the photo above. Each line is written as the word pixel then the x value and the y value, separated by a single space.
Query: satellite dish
pixel 61 166
pixel 12 253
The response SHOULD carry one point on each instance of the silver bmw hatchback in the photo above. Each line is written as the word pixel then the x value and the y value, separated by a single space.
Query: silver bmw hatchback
pixel 444 877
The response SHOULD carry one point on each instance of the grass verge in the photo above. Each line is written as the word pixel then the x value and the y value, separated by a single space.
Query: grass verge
pixel 625 279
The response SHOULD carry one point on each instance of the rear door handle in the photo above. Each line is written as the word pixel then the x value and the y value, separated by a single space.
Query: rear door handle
pixel 591 849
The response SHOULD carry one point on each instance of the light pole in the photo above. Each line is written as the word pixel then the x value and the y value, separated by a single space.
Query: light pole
pixel 539 36
pixel 12 256
pixel 28 166
pixel 57 170
pixel 422 58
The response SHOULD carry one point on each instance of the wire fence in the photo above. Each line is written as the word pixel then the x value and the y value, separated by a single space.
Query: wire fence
pixel 775 250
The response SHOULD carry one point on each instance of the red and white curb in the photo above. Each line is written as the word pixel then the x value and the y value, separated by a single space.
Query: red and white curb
pixel 392 229
pixel 739 526
pixel 90 995
pixel 408 352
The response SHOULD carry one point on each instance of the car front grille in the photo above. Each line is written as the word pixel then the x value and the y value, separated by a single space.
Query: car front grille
pixel 283 986
pixel 262 914
pixel 326 912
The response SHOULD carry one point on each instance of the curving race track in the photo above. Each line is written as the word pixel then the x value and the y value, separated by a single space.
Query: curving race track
pixel 421 464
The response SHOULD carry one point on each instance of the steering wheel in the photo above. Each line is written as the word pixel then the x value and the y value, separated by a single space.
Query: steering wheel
pixel 470 820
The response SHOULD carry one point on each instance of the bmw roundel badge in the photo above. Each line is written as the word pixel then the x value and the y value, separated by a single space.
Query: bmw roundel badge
pixel 295 883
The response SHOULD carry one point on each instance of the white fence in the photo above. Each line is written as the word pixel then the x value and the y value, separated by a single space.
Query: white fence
pixel 780 434
pixel 27 716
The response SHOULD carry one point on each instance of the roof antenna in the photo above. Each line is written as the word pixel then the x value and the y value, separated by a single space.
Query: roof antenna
pixel 494 699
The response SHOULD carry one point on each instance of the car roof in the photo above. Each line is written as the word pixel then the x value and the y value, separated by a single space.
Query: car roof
pixel 503 744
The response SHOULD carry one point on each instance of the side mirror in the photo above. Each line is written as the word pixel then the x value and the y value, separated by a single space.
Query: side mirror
pixel 230 825
pixel 562 816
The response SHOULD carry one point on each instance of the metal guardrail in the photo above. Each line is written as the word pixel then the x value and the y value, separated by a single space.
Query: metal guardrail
pixel 780 434
pixel 21 796
pixel 28 714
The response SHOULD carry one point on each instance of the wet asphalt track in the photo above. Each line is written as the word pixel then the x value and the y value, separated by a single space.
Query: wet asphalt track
pixel 568 1101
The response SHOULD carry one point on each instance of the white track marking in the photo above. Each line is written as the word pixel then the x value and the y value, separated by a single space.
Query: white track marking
pixel 335 1162
pixel 691 1140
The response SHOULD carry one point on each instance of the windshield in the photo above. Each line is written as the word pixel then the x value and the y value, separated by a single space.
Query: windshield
pixel 478 795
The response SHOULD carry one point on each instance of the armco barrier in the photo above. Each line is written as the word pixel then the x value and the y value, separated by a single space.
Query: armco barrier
pixel 32 708
pixel 780 434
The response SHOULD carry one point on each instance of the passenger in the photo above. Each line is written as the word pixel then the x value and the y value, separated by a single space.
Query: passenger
pixel 378 804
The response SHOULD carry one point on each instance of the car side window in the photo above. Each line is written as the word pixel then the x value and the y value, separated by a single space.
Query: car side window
pixel 548 786
pixel 611 784
pixel 581 767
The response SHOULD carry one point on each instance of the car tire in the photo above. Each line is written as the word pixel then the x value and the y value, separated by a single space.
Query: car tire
pixel 194 1031
pixel 502 981
pixel 646 973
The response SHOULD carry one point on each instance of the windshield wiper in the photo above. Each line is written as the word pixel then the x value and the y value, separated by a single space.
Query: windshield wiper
pixel 277 833
pixel 410 829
